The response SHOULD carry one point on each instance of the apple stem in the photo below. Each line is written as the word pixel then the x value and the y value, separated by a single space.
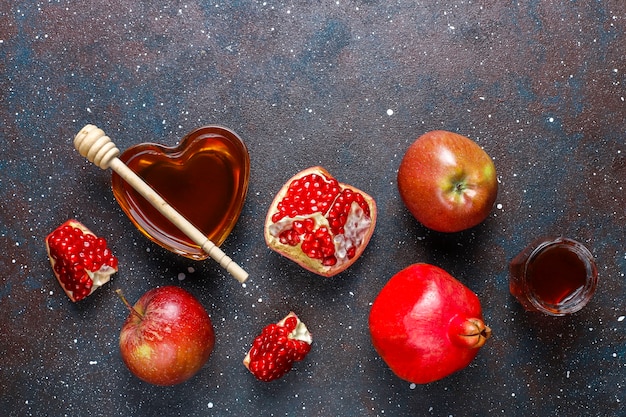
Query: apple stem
pixel 131 308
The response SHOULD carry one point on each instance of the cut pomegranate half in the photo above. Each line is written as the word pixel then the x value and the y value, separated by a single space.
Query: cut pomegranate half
pixel 279 345
pixel 320 223
pixel 81 261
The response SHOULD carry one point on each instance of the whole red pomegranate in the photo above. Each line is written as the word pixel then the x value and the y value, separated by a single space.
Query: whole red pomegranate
pixel 320 223
pixel 426 325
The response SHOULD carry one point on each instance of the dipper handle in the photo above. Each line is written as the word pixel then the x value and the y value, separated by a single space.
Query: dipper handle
pixel 93 144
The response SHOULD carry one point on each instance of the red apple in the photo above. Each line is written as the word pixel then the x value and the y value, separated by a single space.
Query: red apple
pixel 447 181
pixel 168 336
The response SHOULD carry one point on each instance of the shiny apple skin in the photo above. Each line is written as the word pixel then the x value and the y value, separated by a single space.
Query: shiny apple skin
pixel 172 341
pixel 447 181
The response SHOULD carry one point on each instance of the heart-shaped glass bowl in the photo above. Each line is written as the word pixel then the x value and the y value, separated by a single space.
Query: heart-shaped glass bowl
pixel 205 178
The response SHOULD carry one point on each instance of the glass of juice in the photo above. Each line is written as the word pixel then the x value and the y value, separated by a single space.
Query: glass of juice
pixel 554 275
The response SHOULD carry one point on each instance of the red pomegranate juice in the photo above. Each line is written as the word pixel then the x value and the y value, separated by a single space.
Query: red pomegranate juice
pixel 555 276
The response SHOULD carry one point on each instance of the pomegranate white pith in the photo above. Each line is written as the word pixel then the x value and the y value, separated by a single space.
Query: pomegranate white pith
pixel 320 223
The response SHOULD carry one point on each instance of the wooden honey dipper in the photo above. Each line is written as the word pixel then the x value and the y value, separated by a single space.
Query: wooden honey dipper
pixel 93 144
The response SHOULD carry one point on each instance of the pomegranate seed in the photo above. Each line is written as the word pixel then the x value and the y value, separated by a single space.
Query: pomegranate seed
pixel 290 323
pixel 310 194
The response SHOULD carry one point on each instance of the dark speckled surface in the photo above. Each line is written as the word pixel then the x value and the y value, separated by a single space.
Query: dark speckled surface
pixel 348 85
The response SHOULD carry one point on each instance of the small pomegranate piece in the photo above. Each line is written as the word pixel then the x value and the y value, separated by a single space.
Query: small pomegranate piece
pixel 81 261
pixel 279 345
pixel 426 325
pixel 320 223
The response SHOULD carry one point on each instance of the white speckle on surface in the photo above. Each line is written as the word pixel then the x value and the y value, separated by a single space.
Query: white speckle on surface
pixel 621 318
pixel 551 119
pixel 499 206
pixel 389 112
pixel 93 362
pixel 181 276
pixel 210 405
pixel 412 386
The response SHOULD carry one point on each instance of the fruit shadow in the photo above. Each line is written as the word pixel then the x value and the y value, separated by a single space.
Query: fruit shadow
pixel 449 250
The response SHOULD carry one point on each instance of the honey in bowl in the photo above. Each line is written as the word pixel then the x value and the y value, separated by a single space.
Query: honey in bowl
pixel 205 178
pixel 556 276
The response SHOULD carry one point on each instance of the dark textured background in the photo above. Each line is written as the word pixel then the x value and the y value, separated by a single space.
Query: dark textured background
pixel 540 84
